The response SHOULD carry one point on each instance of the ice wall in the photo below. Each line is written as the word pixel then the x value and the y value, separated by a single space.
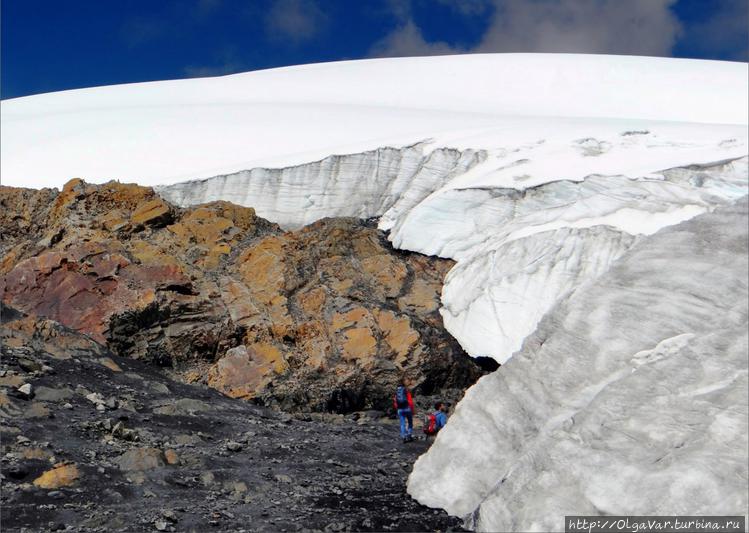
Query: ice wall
pixel 629 398
pixel 517 256
pixel 364 185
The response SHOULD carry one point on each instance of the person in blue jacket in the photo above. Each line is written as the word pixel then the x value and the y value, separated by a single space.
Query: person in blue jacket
pixel 436 420
pixel 404 406
pixel 440 415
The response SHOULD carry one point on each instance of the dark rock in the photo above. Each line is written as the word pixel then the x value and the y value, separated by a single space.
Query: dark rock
pixel 48 394
pixel 16 471
pixel 141 459
pixel 29 365
pixel 233 446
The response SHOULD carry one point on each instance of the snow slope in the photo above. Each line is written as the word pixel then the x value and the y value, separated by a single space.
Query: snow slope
pixel 539 174
pixel 166 132
pixel 629 398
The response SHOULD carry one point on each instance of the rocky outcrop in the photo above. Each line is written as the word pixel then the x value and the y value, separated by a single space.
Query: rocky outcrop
pixel 116 261
pixel 333 317
pixel 326 318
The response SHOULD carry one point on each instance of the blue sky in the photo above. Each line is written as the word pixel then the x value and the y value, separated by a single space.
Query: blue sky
pixel 50 45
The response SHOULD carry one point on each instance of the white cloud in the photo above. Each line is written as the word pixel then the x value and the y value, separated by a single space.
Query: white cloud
pixel 295 21
pixel 635 27
pixel 407 40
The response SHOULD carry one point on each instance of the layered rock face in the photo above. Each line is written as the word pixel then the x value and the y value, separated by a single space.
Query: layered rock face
pixel 332 308
pixel 98 257
pixel 328 317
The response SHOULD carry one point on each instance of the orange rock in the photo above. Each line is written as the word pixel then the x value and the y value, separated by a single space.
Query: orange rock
pixel 171 457
pixel 60 476
pixel 115 220
pixel 237 375
pixel 305 303
pixel 193 376
pixel 365 243
pixel 262 269
pixel 7 261
pixel 312 300
pixel 153 212
pixel 151 255
pixel 358 316
pixel 398 333
pixel 240 303
pixel 215 253
pixel 312 329
pixel 201 226
pixel 317 351
pixel 422 298
pixel 388 273
pixel 268 355
pixel 69 192
pixel 342 286
pixel 359 343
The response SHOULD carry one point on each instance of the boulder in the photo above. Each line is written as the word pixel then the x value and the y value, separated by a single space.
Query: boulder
pixel 62 475
pixel 140 459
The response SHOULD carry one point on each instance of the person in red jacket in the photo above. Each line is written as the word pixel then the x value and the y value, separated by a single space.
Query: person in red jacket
pixel 404 405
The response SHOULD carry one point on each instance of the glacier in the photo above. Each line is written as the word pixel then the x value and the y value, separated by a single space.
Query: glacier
pixel 629 398
pixel 551 180
pixel 379 180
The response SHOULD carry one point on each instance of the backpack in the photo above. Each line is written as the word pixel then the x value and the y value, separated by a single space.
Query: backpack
pixel 401 397
pixel 430 424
